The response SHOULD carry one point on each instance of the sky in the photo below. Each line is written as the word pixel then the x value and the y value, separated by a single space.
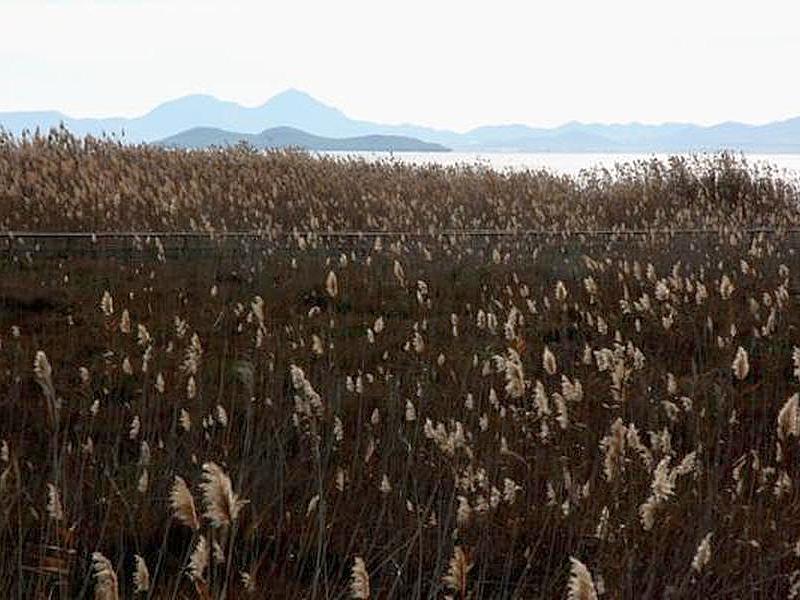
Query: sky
pixel 442 63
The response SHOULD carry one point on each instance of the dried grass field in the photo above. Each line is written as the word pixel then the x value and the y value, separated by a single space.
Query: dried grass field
pixel 409 413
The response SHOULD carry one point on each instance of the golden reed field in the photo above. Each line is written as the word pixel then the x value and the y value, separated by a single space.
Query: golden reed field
pixel 501 385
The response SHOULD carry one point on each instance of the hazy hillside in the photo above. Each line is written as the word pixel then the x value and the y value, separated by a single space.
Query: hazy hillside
pixel 281 137
pixel 298 110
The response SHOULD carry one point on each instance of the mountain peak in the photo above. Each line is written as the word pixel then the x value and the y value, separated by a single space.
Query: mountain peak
pixel 295 99
pixel 294 94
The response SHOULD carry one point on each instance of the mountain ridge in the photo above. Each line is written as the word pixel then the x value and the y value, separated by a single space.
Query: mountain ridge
pixel 299 110
pixel 283 137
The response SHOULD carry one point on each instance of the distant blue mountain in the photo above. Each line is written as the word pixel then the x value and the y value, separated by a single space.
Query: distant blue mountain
pixel 298 110
pixel 284 137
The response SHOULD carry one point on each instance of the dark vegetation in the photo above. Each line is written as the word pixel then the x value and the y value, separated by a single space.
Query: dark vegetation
pixel 520 400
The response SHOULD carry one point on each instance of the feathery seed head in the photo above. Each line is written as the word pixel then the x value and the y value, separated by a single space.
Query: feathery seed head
pixel 703 554
pixel 198 561
pixel 549 361
pixel 332 285
pixel 459 568
pixel 580 586
pixel 222 504
pixel 359 582
pixel 182 503
pixel 107 304
pixel 105 579
pixel 741 364
pixel 141 576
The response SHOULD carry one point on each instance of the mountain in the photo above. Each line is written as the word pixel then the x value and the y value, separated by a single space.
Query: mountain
pixel 298 110
pixel 17 122
pixel 282 137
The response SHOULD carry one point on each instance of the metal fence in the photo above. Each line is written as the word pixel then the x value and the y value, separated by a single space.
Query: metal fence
pixel 197 243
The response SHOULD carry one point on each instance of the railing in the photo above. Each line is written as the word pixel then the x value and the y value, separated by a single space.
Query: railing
pixel 198 243
pixel 261 234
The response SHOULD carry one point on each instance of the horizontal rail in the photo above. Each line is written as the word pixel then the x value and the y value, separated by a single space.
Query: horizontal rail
pixel 376 234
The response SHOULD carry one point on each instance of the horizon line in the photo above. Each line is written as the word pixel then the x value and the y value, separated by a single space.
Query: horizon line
pixel 216 98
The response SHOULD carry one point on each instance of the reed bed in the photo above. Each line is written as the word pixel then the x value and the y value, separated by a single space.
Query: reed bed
pixel 409 417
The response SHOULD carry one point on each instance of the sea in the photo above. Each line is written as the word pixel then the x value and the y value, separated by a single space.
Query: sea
pixel 562 163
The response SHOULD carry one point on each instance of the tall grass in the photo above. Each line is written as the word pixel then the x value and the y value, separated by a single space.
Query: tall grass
pixel 568 416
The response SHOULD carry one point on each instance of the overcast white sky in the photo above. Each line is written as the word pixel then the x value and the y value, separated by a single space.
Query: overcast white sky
pixel 452 64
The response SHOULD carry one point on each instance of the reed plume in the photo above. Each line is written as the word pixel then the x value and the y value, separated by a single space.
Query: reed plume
pixel 359 580
pixel 141 576
pixel 182 503
pixel 741 364
pixel 580 585
pixel 459 568
pixel 105 579
pixel 222 504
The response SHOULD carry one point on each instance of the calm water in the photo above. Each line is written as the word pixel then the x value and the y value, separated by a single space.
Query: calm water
pixel 558 162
